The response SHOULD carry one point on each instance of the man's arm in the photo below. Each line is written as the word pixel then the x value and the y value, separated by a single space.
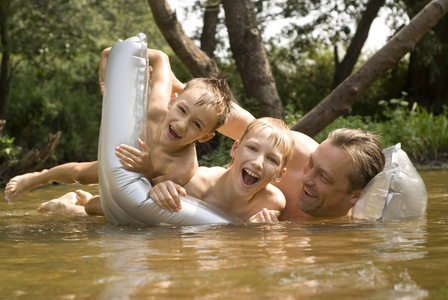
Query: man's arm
pixel 238 120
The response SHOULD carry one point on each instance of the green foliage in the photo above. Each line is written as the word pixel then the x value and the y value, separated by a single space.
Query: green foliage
pixel 55 48
pixel 304 80
pixel 8 152
pixel 422 134
pixel 220 156
pixel 55 51
pixel 387 86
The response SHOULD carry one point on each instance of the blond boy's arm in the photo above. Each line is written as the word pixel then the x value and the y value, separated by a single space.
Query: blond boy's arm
pixel 166 195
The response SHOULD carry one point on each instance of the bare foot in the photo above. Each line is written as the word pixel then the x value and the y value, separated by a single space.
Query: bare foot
pixel 82 197
pixel 21 184
pixel 66 204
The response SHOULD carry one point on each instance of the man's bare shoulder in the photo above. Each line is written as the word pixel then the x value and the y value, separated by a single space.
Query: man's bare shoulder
pixel 305 145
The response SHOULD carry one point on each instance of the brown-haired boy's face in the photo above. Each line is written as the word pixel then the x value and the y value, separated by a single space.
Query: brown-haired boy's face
pixel 186 122
pixel 256 161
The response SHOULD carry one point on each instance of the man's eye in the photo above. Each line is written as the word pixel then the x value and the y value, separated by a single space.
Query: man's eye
pixel 182 109
pixel 324 179
pixel 252 148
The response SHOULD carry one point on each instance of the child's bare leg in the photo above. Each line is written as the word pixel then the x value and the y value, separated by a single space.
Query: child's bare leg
pixel 93 206
pixel 83 173
pixel 65 204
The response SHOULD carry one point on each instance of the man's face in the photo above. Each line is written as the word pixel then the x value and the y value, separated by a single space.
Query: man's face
pixel 326 187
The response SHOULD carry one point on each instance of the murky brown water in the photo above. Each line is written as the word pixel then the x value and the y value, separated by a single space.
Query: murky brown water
pixel 47 256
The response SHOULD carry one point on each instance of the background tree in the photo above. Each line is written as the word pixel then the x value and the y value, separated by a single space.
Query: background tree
pixel 5 74
pixel 340 100
pixel 50 52
pixel 427 80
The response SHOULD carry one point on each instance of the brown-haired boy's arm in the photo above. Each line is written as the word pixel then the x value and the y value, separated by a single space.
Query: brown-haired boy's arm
pixel 177 85
pixel 102 67
pixel 161 80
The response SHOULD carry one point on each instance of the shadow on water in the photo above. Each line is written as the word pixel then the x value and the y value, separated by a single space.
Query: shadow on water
pixel 71 257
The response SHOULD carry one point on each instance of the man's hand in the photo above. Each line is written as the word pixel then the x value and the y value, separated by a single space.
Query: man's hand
pixel 166 195
pixel 265 216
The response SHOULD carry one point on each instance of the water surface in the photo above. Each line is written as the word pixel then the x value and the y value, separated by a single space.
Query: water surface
pixel 49 256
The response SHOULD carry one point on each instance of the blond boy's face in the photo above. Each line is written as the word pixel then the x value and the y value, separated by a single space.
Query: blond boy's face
pixel 256 161
pixel 187 122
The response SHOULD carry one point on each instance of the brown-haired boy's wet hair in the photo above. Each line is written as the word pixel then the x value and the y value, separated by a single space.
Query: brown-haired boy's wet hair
pixel 216 93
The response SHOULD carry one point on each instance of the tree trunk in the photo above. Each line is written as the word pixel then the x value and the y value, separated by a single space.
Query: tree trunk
pixel 340 100
pixel 35 158
pixel 197 61
pixel 344 68
pixel 32 161
pixel 250 56
pixel 208 36
pixel 5 74
pixel 427 78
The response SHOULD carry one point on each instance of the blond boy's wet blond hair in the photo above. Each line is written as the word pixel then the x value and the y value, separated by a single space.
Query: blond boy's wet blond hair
pixel 280 134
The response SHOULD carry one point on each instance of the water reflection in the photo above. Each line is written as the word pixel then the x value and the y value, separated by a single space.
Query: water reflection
pixel 86 258
pixel 316 258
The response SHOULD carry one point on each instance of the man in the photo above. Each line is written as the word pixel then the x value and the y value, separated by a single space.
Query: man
pixel 326 180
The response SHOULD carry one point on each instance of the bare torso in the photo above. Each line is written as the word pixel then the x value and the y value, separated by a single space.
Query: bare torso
pixel 169 163
pixel 213 186
pixel 291 184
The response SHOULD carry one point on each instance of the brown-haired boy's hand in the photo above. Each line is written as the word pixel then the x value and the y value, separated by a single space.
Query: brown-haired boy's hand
pixel 166 195
pixel 136 160
pixel 265 216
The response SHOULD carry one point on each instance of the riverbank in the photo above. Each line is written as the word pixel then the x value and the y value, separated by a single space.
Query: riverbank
pixel 439 163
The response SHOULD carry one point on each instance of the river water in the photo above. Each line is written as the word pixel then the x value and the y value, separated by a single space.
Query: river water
pixel 49 256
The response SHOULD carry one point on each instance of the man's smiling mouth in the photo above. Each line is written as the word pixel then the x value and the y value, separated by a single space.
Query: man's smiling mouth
pixel 308 192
